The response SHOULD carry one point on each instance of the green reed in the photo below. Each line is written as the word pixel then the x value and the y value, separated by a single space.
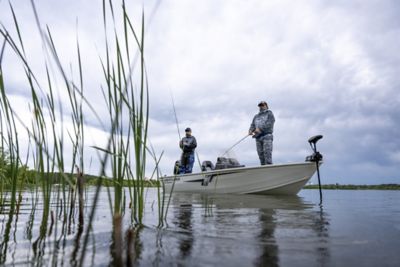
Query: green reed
pixel 10 163
pixel 126 98
pixel 128 109
pixel 10 142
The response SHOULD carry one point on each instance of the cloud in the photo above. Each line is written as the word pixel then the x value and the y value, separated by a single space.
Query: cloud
pixel 324 68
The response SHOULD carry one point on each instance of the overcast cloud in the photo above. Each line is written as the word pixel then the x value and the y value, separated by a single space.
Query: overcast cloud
pixel 324 67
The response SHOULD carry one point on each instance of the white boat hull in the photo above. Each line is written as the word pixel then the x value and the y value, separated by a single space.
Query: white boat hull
pixel 285 179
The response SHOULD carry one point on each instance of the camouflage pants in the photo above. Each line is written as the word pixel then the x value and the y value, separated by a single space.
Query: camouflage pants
pixel 264 149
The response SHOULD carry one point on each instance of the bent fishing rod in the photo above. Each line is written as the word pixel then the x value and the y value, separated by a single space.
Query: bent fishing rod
pixel 238 142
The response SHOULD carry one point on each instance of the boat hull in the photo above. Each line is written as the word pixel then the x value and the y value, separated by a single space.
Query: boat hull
pixel 282 179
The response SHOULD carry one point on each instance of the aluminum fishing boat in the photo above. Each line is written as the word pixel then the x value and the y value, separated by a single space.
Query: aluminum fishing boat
pixel 286 179
pixel 228 176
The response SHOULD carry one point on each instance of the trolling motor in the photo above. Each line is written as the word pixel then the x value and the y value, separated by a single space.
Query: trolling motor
pixel 316 157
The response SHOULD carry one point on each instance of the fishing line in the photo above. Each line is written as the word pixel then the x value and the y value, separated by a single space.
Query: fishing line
pixel 176 117
pixel 238 142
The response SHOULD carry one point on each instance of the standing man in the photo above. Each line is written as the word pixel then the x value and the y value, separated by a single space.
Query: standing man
pixel 188 145
pixel 261 129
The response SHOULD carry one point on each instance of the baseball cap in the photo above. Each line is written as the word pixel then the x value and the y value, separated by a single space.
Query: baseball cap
pixel 262 103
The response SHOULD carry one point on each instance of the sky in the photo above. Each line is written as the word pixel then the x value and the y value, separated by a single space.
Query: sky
pixel 324 67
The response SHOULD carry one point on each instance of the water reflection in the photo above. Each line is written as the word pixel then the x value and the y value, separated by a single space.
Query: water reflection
pixel 5 233
pixel 77 244
pixel 252 228
pixel 266 237
pixel 183 215
pixel 202 230
pixel 214 230
pixel 322 229
pixel 134 246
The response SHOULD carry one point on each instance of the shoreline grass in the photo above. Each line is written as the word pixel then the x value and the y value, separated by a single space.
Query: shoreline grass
pixel 355 187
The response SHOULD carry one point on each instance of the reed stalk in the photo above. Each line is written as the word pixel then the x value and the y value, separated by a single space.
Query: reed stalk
pixel 126 95
pixel 117 243
pixel 81 184
pixel 128 109
pixel 9 139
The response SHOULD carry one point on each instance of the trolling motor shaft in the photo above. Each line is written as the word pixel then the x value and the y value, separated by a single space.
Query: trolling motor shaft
pixel 316 157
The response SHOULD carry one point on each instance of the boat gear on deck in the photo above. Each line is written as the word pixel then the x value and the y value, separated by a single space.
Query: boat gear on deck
pixel 222 163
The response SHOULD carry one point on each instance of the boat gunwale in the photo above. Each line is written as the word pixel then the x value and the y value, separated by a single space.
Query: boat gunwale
pixel 238 169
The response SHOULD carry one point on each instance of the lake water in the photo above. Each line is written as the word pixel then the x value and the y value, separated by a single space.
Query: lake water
pixel 351 228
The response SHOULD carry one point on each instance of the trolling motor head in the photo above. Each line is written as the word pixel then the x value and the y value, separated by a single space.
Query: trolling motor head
pixel 314 139
pixel 316 156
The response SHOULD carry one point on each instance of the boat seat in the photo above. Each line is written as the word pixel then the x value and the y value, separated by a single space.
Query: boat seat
pixel 177 166
pixel 207 166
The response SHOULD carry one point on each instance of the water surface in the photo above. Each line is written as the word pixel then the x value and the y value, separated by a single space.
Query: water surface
pixel 350 228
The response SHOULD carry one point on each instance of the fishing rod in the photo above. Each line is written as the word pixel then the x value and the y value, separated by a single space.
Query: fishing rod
pixel 177 165
pixel 176 117
pixel 177 127
pixel 238 142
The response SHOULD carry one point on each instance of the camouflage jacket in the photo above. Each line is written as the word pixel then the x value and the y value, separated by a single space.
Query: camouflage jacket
pixel 264 120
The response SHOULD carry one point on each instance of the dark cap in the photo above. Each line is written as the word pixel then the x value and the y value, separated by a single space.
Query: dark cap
pixel 188 129
pixel 262 103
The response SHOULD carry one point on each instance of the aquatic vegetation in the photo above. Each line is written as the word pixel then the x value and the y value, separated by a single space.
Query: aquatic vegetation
pixel 61 186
